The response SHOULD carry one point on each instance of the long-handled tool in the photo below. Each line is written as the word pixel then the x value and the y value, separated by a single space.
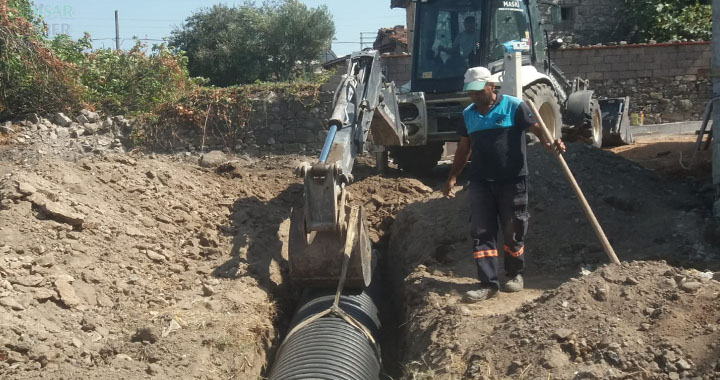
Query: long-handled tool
pixel 573 183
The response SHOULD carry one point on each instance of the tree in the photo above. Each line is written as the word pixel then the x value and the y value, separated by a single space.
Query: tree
pixel 243 44
pixel 663 20
pixel 297 34
pixel 224 44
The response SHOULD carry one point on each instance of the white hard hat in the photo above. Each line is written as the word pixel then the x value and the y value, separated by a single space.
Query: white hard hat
pixel 476 78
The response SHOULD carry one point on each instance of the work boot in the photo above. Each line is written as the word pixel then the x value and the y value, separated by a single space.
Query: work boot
pixel 482 294
pixel 515 284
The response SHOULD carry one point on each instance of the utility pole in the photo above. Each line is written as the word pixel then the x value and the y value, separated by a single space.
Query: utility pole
pixel 117 31
pixel 716 110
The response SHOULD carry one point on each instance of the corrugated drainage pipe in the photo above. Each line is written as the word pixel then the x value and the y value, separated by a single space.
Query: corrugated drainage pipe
pixel 330 347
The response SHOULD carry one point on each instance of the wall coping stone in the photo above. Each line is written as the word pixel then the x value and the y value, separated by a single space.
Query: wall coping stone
pixel 662 44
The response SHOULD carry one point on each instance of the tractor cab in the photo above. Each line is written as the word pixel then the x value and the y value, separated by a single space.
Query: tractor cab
pixel 451 36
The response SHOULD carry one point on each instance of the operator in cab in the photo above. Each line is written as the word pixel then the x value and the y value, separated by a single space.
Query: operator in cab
pixel 493 139
pixel 465 41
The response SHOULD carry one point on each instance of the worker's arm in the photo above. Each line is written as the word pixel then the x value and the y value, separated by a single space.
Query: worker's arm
pixel 556 145
pixel 462 155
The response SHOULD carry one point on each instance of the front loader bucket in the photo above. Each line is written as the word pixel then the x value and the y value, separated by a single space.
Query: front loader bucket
pixel 615 121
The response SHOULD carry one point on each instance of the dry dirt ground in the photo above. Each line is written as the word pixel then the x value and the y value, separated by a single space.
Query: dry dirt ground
pixel 128 265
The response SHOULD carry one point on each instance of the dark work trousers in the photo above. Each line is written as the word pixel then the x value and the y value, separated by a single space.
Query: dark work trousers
pixel 493 204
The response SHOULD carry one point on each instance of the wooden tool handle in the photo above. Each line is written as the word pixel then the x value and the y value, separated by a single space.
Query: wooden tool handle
pixel 573 183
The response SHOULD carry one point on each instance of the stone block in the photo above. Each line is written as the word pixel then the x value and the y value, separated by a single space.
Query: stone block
pixel 595 75
pixel 287 138
pixel 596 60
pixel 685 104
pixel 295 107
pixel 293 148
pixel 312 124
pixel 304 135
pixel 61 120
pixel 612 59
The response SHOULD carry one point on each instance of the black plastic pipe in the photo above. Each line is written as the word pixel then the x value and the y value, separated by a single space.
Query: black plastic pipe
pixel 330 347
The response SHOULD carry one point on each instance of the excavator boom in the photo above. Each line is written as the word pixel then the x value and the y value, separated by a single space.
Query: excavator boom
pixel 364 102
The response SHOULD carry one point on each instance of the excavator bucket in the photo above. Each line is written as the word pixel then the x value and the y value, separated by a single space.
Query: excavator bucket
pixel 615 121
pixel 316 258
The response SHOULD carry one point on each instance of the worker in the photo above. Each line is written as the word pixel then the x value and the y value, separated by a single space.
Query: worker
pixel 493 138
pixel 465 41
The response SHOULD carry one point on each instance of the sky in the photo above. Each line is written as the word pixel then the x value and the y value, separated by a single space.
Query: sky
pixel 154 20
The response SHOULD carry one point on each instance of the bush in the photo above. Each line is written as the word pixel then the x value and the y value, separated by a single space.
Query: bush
pixel 32 78
pixel 664 21
pixel 132 82
pixel 244 44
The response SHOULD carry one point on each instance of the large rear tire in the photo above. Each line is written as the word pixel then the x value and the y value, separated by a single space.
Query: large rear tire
pixel 417 160
pixel 593 128
pixel 545 100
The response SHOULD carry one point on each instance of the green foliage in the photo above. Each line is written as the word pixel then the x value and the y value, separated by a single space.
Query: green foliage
pixel 663 20
pixel 21 8
pixel 131 82
pixel 32 78
pixel 223 44
pixel 40 75
pixel 243 44
pixel 61 74
pixel 297 34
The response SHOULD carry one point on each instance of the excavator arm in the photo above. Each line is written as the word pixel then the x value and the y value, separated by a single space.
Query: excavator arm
pixel 364 102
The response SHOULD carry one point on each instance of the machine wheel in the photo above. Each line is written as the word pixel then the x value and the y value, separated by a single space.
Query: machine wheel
pixel 417 160
pixel 546 102
pixel 592 129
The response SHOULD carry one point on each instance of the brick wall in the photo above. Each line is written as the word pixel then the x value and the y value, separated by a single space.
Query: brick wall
pixel 397 67
pixel 668 82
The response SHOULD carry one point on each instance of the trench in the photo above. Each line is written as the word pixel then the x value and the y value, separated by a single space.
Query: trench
pixel 291 355
pixel 332 347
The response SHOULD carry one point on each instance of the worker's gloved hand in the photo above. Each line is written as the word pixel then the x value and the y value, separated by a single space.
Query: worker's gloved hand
pixel 557 146
pixel 448 189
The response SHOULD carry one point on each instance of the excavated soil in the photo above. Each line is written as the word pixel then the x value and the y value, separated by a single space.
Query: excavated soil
pixel 644 320
pixel 127 265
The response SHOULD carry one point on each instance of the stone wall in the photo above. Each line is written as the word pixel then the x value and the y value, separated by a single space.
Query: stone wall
pixel 668 82
pixel 275 126
pixel 582 22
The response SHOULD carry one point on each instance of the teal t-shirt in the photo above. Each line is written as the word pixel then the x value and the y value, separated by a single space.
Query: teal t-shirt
pixel 497 139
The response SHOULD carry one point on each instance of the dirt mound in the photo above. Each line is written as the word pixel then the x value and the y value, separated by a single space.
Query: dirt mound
pixel 636 320
pixel 641 320
pixel 118 266
pixel 644 216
